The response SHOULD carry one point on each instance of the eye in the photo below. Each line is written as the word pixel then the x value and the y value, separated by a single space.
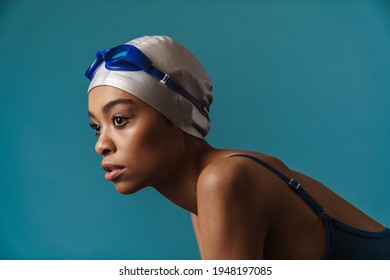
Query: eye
pixel 95 127
pixel 119 120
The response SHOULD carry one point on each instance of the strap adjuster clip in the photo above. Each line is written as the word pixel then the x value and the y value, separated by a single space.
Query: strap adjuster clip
pixel 294 183
pixel 165 79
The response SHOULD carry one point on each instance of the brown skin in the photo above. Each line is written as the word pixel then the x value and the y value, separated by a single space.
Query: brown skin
pixel 239 209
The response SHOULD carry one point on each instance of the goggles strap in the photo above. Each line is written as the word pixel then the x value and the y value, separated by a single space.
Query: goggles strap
pixel 202 106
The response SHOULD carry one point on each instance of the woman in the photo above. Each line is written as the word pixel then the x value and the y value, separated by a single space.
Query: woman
pixel 149 102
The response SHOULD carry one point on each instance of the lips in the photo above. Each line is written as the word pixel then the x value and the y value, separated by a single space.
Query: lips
pixel 113 171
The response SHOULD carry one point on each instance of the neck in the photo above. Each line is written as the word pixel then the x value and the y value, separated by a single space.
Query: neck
pixel 180 185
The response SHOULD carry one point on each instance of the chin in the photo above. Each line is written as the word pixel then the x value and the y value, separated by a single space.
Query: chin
pixel 126 187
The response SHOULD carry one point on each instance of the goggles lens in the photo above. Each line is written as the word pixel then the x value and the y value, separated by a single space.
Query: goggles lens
pixel 119 55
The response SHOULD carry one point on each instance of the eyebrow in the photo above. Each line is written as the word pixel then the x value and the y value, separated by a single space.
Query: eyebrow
pixel 111 104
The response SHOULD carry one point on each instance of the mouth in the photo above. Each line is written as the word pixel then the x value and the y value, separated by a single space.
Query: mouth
pixel 113 171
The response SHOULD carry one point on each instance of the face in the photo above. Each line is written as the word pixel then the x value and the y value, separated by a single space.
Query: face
pixel 137 144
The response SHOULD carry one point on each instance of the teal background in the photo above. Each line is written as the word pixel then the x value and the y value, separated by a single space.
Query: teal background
pixel 305 81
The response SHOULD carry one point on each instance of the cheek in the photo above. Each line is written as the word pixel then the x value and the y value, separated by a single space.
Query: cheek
pixel 149 159
pixel 149 149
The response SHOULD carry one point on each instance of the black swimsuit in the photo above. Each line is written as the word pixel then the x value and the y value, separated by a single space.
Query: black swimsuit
pixel 344 242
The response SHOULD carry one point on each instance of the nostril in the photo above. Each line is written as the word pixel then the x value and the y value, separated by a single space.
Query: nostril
pixel 105 152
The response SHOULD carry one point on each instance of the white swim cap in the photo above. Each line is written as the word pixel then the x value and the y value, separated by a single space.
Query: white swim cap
pixel 184 70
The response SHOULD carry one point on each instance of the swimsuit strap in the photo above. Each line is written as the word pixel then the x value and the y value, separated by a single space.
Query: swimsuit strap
pixel 296 186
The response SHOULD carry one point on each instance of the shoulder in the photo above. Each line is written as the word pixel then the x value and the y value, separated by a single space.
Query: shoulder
pixel 231 181
pixel 223 175
pixel 226 174
pixel 231 203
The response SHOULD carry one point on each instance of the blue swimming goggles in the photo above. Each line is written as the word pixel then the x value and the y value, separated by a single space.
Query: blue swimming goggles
pixel 129 58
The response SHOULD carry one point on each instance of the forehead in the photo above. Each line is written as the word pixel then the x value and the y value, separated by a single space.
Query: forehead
pixel 102 96
pixel 99 97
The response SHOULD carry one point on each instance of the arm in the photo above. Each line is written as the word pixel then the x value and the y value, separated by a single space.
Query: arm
pixel 230 220
pixel 195 224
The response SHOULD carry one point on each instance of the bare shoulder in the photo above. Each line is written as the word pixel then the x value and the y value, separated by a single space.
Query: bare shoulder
pixel 232 172
pixel 235 182
pixel 225 176
pixel 233 186
pixel 228 205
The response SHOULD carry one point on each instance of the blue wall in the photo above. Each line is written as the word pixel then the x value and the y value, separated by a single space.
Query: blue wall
pixel 306 81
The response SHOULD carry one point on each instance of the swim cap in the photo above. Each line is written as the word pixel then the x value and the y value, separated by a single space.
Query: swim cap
pixel 181 66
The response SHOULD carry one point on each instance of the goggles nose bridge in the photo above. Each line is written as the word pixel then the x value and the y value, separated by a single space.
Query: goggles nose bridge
pixel 96 63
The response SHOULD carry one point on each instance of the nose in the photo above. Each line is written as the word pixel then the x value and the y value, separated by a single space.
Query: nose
pixel 105 145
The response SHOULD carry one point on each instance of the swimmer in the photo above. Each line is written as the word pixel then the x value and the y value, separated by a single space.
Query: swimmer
pixel 149 103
